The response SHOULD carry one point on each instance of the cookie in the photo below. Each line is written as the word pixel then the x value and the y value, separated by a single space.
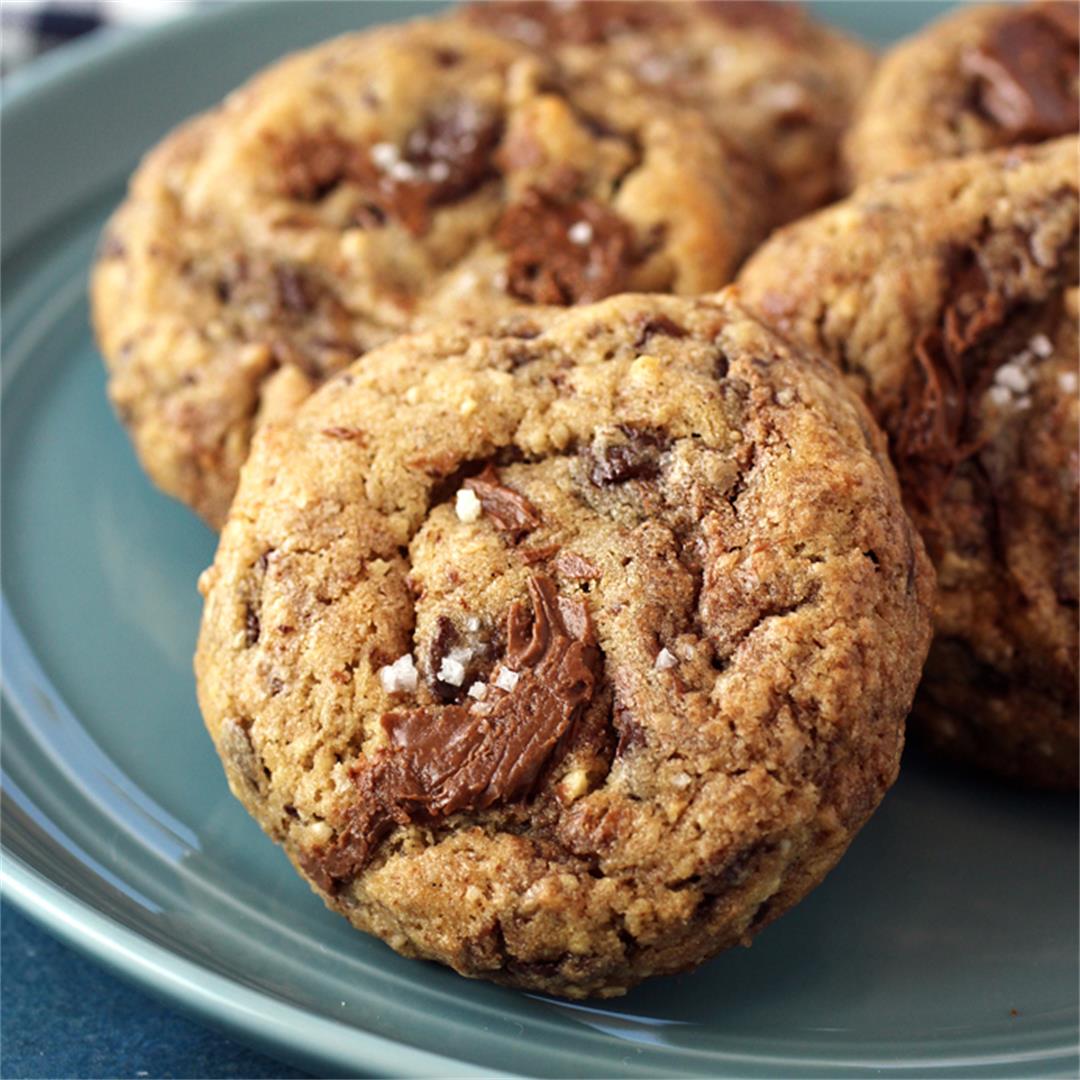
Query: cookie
pixel 571 652
pixel 949 298
pixel 983 78
pixel 780 87
pixel 373 184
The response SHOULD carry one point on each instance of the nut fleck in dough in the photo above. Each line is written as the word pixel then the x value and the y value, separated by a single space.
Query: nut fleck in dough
pixel 948 296
pixel 982 78
pixel 777 85
pixel 624 716
pixel 373 184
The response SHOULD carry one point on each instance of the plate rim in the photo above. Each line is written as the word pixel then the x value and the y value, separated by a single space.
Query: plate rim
pixel 215 998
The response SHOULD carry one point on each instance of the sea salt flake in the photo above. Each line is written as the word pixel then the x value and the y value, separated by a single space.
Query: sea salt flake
pixel 452 671
pixel 403 171
pixel 1068 382
pixel 438 171
pixel 581 232
pixel 384 155
pixel 665 659
pixel 1041 346
pixel 467 506
pixel 478 690
pixel 400 676
pixel 1013 377
pixel 1000 396
pixel 506 679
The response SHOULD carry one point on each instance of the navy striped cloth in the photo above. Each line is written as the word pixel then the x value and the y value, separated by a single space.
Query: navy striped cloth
pixel 31 27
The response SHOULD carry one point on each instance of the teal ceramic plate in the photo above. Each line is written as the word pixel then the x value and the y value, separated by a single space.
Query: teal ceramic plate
pixel 945 943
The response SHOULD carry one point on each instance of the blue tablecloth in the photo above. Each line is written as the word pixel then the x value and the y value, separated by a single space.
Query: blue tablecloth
pixel 63 1016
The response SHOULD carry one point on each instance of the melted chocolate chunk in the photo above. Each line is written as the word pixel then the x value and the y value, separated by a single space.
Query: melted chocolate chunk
pixel 441 760
pixel 638 458
pixel 444 159
pixel 931 434
pixel 539 23
pixel 454 148
pixel 564 251
pixel 1026 70
pixel 510 510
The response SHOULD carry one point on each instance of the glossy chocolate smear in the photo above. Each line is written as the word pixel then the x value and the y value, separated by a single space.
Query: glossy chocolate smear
pixel 510 510
pixel 1027 70
pixel 441 760
pixel 564 251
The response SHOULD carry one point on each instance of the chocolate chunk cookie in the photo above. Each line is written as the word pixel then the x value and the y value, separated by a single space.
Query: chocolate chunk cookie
pixel 777 85
pixel 949 297
pixel 374 183
pixel 571 652
pixel 984 77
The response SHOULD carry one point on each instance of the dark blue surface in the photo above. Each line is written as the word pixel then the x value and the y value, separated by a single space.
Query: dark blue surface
pixel 62 1016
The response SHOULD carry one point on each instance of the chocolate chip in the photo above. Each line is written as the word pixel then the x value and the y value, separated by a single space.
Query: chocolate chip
pixel 1026 71
pixel 312 165
pixel 575 567
pixel 550 263
pixel 510 510
pixel 446 58
pixel 636 457
pixel 251 626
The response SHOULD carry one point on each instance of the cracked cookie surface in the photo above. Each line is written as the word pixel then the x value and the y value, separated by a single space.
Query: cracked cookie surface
pixel 982 78
pixel 571 652
pixel 949 298
pixel 778 86
pixel 372 184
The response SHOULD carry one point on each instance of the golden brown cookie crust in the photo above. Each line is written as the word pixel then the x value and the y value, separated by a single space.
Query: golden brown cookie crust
pixel 572 652
pixel 780 87
pixel 375 183
pixel 948 296
pixel 983 77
